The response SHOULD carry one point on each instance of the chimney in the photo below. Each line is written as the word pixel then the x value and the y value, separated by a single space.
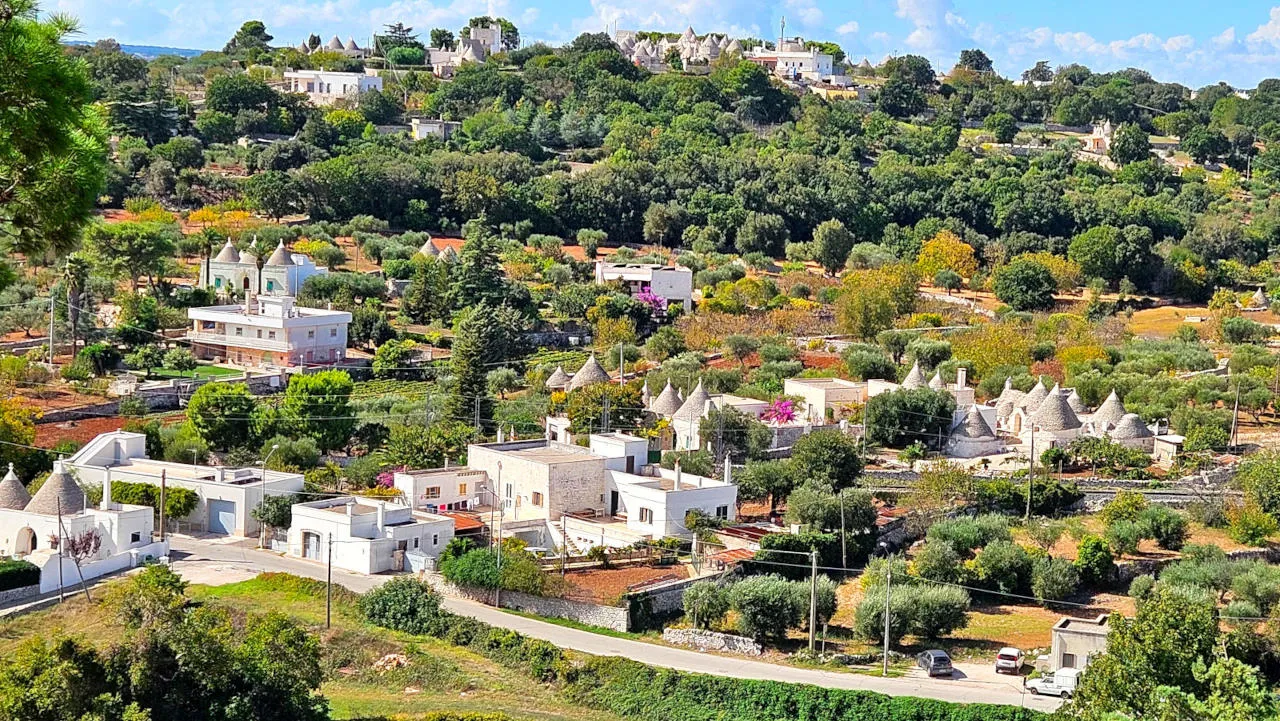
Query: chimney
pixel 351 507
pixel 962 377
pixel 500 433
pixel 382 515
pixel 675 484
pixel 728 470
pixel 106 488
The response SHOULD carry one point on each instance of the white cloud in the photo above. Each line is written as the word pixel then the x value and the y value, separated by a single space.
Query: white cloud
pixel 1179 43
pixel 1225 38
pixel 1268 32
pixel 1078 43
pixel 849 28
pixel 881 37
pixel 930 19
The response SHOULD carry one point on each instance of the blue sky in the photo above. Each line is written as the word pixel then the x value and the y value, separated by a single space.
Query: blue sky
pixel 1192 42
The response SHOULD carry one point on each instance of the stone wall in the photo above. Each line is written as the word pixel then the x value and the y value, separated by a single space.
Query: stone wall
pixel 1128 570
pixel 14 595
pixel 712 641
pixel 610 617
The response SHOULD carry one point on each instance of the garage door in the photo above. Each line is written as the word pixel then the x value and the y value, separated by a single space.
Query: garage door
pixel 222 517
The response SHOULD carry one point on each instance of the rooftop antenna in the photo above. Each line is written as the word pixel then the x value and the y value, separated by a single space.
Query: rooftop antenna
pixel 782 31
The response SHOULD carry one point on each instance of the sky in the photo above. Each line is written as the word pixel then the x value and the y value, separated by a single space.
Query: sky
pixel 1194 42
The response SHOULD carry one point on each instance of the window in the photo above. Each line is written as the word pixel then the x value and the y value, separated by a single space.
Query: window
pixel 311 333
pixel 239 331
pixel 135 537
pixel 435 539
pixel 1068 660
pixel 415 542
pixel 462 489
pixel 271 334
pixel 333 332
pixel 508 493
pixel 432 492
pixel 259 332
pixel 537 499
pixel 646 515
pixel 722 512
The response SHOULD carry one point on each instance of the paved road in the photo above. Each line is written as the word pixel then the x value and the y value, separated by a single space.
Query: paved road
pixel 213 564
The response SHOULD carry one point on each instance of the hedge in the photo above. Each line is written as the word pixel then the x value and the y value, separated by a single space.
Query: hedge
pixel 17 574
pixel 178 502
pixel 644 693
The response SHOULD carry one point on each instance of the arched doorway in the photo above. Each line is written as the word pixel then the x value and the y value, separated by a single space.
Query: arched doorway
pixel 245 283
pixel 26 541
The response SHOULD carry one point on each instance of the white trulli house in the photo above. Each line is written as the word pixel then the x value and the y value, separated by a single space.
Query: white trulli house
pixel 1054 423
pixel 973 437
pixel 1107 415
pixel 1132 432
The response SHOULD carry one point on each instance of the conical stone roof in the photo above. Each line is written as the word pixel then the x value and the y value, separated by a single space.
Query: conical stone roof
pixel 13 495
pixel 733 47
pixel 351 45
pixel 1076 402
pixel 335 43
pixel 974 426
pixel 1034 397
pixel 1054 414
pixel 915 378
pixel 60 486
pixel 280 256
pixel 1130 427
pixel 228 254
pixel 1111 411
pixel 1008 399
pixel 668 401
pixel 695 405
pixel 429 249
pixel 558 379
pixel 590 372
pixel 936 381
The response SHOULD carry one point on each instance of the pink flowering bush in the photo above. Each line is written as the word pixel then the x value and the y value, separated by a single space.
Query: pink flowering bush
pixel 657 304
pixel 781 410
pixel 387 478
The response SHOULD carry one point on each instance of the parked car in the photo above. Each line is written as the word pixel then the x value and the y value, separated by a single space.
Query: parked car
pixel 1061 683
pixel 935 662
pixel 1009 660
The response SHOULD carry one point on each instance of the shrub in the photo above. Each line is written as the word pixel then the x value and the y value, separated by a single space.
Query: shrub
pixel 1241 612
pixel 868 617
pixel 966 534
pixel 827 604
pixel 404 604
pixel 1053 579
pixel 1141 586
pixel 1259 584
pixel 1126 506
pixel 924 611
pixel 1166 526
pixel 1004 566
pixel 178 502
pixel 938 561
pixel 1251 526
pixel 1094 561
pixel 1123 537
pixel 705 603
pixel 17 574
pixel 765 606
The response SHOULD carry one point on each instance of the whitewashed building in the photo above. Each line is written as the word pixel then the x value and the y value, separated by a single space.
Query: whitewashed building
pixel 268 331
pixel 227 496
pixel 326 87
pixel 35 528
pixel 825 399
pixel 671 283
pixel 233 272
pixel 366 535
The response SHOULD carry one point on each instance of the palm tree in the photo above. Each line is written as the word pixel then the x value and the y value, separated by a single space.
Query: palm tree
pixel 74 274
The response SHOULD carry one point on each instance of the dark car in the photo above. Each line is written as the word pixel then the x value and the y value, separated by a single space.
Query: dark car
pixel 935 662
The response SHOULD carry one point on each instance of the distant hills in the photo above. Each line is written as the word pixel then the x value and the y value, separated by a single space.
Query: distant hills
pixel 148 51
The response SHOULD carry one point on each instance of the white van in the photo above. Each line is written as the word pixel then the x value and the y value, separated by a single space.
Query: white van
pixel 1062 683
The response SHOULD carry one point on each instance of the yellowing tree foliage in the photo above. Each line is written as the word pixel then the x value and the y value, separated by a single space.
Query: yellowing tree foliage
pixel 945 251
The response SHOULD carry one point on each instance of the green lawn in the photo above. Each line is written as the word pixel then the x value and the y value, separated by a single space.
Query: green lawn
pixel 204 371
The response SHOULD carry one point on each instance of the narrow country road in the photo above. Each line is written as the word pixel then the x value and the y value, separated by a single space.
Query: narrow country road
pixel 200 561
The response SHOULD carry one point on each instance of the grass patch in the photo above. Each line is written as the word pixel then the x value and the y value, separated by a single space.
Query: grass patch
pixel 199 372
pixel 569 623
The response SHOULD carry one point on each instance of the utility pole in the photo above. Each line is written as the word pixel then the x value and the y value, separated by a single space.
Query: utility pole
pixel 888 581
pixel 1031 471
pixel 813 598
pixel 844 553
pixel 477 415
pixel 564 546
pixel 162 489
pixel 622 365
pixel 328 588
pixel 51 326
pixel 1235 415
pixel 604 415
pixel 61 596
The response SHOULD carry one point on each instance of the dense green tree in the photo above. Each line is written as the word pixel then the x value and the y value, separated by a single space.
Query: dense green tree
pixel 318 405
pixel 1025 284
pixel 1129 144
pixel 905 416
pixel 827 456
pixel 1002 126
pixel 53 140
pixel 832 242
pixel 220 414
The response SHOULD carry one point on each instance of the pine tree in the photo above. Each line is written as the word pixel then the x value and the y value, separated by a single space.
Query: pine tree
pixel 476 348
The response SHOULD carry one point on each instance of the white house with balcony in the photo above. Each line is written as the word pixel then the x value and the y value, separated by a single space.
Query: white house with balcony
pixel 553 494
pixel 456 488
pixel 672 283
pixel 226 496
pixel 268 331
pixel 367 535
pixel 325 87
pixel 37 528
pixel 232 272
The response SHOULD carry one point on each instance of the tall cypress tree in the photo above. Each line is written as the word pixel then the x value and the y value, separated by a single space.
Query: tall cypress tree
pixel 476 348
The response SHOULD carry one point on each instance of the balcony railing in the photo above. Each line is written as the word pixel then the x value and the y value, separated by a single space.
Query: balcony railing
pixel 237 341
